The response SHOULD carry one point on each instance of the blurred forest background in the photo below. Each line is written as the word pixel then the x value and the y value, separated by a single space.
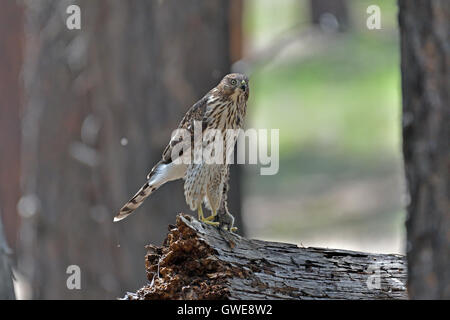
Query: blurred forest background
pixel 86 113
pixel 336 99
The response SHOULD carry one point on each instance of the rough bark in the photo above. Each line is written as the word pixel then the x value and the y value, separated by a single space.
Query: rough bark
pixel 200 262
pixel 425 61
pixel 131 72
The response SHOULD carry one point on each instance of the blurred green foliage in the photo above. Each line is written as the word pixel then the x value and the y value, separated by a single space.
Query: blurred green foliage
pixel 338 111
pixel 346 98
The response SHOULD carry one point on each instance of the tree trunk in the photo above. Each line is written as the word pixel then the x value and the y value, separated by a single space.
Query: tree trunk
pixel 11 92
pixel 200 262
pixel 236 30
pixel 425 55
pixel 6 275
pixel 102 103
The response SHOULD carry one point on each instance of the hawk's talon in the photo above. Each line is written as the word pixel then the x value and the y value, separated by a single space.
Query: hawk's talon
pixel 233 229
pixel 211 223
pixel 206 220
pixel 210 218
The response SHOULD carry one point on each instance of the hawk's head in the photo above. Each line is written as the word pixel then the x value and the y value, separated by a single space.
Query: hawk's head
pixel 235 85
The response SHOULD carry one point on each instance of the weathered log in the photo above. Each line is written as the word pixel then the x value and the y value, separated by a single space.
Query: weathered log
pixel 197 261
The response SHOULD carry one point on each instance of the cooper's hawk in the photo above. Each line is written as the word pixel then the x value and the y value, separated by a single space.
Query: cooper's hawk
pixel 220 111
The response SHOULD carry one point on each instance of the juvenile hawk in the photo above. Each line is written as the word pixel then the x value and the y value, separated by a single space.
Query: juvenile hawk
pixel 222 108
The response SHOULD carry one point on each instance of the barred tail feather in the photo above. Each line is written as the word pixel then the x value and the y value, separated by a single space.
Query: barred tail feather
pixel 135 202
pixel 159 175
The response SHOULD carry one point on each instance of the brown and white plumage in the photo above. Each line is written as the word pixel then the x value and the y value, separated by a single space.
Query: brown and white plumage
pixel 222 108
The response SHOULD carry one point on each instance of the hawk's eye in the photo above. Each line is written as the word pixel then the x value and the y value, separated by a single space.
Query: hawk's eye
pixel 233 82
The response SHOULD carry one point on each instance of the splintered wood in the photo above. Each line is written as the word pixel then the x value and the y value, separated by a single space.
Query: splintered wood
pixel 197 261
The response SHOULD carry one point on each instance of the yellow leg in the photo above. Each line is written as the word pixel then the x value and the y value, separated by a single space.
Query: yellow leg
pixel 205 220
pixel 211 223
pixel 208 220
pixel 200 213
pixel 211 217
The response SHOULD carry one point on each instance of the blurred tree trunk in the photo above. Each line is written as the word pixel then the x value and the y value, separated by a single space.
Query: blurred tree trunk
pixel 11 92
pixel 236 53
pixel 425 54
pixel 6 275
pixel 102 103
pixel 330 14
pixel 236 31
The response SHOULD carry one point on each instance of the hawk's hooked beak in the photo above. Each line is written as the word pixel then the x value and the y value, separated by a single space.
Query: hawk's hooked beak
pixel 243 85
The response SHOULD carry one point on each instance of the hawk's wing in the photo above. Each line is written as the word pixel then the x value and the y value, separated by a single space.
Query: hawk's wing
pixel 165 170
pixel 195 113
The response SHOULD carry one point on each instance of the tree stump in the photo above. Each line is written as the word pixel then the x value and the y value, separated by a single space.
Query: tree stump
pixel 197 261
